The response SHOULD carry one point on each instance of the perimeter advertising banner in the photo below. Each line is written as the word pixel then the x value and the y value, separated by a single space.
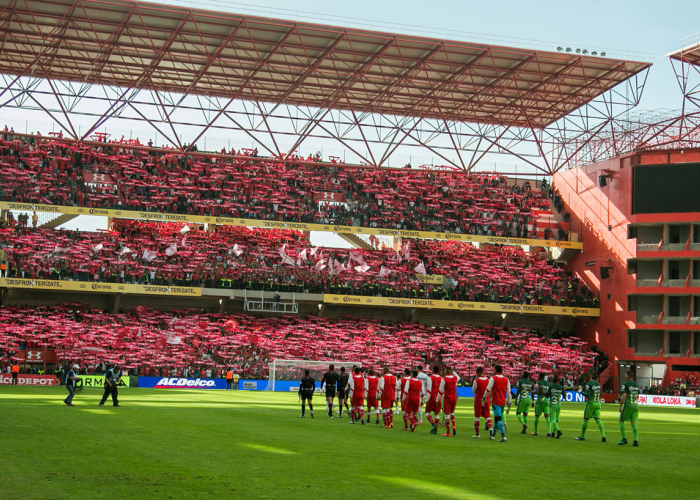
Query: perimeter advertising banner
pixel 459 306
pixel 668 401
pixel 41 380
pixel 299 226
pixel 182 383
pixel 86 286
pixel 99 381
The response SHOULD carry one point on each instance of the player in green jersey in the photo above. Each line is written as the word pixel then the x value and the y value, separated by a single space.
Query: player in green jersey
pixel 629 407
pixel 556 394
pixel 542 404
pixel 523 396
pixel 591 391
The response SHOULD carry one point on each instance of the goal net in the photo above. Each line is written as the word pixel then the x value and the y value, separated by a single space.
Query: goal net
pixel 285 371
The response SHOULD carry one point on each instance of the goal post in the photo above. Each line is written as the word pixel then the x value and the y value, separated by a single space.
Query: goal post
pixel 292 370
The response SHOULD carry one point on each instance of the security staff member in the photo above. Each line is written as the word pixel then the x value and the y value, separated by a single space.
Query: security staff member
pixel 15 373
pixel 330 379
pixel 71 379
pixel 112 378
pixel 229 379
pixel 307 387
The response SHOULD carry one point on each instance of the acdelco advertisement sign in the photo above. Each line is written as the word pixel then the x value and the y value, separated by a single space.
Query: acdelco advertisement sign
pixel 6 379
pixel 182 383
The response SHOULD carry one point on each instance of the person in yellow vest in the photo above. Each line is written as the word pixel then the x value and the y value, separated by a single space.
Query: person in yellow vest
pixel 235 381
pixel 229 379
pixel 15 373
pixel 35 219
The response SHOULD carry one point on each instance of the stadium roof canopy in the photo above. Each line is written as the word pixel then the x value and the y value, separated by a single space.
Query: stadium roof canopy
pixel 185 51
pixel 690 54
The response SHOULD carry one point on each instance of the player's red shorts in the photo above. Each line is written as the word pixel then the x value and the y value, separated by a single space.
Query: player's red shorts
pixel 387 403
pixel 448 406
pixel 482 411
pixel 432 406
pixel 372 402
pixel 357 402
pixel 411 405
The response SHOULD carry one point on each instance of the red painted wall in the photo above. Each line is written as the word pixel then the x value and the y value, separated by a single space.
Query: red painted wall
pixel 602 215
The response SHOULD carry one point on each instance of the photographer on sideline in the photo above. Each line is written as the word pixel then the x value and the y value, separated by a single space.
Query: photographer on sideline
pixel 112 378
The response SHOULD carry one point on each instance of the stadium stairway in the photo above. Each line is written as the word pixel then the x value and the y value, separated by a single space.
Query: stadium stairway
pixel 355 241
pixel 57 221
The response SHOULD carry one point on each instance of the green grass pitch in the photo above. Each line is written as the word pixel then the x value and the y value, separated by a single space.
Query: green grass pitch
pixel 237 444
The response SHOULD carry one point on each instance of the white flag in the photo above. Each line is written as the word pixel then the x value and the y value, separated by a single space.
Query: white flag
pixel 98 247
pixel 362 269
pixel 288 260
pixel 313 251
pixel 407 250
pixel 124 250
pixel 171 250
pixel 398 256
pixel 185 229
pixel 302 255
pixel 148 255
pixel 237 250
pixel 184 241
pixel 384 271
pixel 171 338
pixel 320 265
pixel 420 269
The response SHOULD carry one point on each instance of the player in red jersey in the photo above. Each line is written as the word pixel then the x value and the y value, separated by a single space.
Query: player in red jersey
pixel 433 405
pixel 371 395
pixel 356 385
pixel 413 391
pixel 480 410
pixel 448 396
pixel 386 392
pixel 499 390
pixel 402 385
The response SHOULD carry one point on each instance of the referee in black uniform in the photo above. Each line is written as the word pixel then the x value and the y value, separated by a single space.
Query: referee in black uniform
pixel 307 387
pixel 343 391
pixel 330 379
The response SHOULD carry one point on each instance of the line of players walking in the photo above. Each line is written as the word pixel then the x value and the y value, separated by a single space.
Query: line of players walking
pixel 439 393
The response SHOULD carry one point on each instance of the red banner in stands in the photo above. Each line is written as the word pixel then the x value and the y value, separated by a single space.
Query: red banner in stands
pixel 36 356
pixel 91 178
pixel 6 379
pixel 329 196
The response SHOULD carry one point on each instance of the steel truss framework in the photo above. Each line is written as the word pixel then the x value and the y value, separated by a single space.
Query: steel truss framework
pixel 278 84
pixel 654 131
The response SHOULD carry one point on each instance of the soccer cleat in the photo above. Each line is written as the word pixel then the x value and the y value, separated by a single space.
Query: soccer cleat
pixel 502 440
pixel 377 421
pixel 604 440
pixel 362 421
pixel 492 437
pixel 301 416
pixel 454 431
pixel 549 434
pixel 635 443
pixel 312 414
pixel 70 404
pixel 524 431
pixel 476 436
pixel 351 422
pixel 624 441
pixel 446 435
pixel 433 429
pixel 534 433
pixel 559 433
pixel 579 438
pixel 405 429
pixel 330 416
pixel 100 404
pixel 413 428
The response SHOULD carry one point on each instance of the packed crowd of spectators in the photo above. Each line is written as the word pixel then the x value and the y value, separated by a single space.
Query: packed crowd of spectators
pixel 52 172
pixel 283 260
pixel 156 343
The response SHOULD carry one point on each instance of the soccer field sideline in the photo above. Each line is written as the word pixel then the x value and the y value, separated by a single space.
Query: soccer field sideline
pixel 259 448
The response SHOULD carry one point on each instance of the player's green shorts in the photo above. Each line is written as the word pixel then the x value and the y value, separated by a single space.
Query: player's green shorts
pixel 542 406
pixel 630 414
pixel 592 411
pixel 554 411
pixel 524 405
